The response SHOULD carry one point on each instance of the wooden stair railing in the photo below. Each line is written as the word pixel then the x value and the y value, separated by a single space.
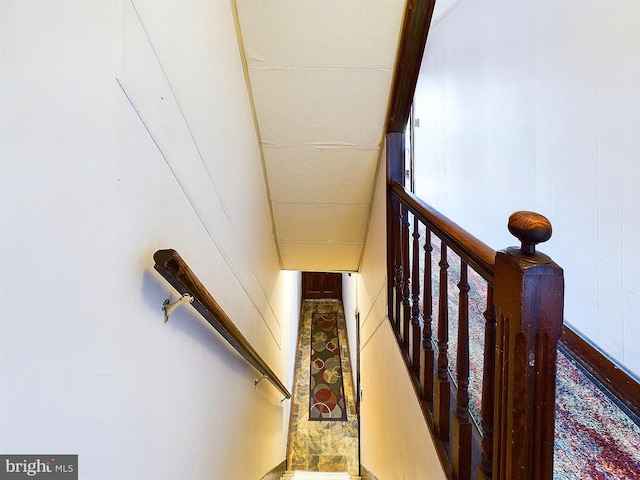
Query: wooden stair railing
pixel 176 271
pixel 523 323
pixel 523 316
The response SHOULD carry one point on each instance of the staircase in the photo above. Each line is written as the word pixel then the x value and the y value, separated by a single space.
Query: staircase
pixel 305 475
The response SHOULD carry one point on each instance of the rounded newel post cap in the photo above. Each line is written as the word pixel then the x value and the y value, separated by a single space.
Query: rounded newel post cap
pixel 530 228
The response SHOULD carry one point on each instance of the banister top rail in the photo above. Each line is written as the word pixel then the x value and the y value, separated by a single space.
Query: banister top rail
pixel 175 270
pixel 477 254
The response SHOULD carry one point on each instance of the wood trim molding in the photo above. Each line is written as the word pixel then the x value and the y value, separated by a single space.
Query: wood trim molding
pixel 413 38
pixel 619 382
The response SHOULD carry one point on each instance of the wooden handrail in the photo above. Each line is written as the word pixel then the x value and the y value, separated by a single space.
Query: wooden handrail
pixel 413 38
pixel 525 296
pixel 175 270
pixel 524 304
pixel 477 254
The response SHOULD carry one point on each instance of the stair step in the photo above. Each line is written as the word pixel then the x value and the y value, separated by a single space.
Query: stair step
pixel 306 475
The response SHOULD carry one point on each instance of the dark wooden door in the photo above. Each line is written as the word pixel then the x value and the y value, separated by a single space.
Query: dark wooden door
pixel 321 285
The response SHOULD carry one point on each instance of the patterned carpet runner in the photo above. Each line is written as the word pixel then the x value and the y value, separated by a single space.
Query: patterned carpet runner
pixel 326 399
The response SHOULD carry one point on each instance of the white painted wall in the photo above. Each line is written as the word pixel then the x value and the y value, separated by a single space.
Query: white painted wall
pixel 395 441
pixel 536 106
pixel 350 302
pixel 96 174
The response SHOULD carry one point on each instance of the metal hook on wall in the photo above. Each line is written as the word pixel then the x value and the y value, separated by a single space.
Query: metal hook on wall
pixel 257 381
pixel 168 308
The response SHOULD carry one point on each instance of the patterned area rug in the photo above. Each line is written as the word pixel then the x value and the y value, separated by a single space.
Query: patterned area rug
pixel 326 399
pixel 322 446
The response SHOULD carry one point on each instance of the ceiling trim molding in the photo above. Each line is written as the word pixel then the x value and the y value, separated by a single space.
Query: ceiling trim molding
pixel 256 125
pixel 413 38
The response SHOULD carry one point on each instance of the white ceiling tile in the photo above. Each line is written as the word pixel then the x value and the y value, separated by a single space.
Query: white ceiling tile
pixel 317 223
pixel 317 175
pixel 320 74
pixel 360 33
pixel 296 107
pixel 321 257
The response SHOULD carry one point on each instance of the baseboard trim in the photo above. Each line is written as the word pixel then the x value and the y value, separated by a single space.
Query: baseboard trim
pixel 366 474
pixel 276 472
pixel 622 384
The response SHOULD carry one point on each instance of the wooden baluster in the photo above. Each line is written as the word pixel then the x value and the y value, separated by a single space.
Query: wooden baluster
pixel 398 271
pixel 461 434
pixel 461 438
pixel 442 385
pixel 415 300
pixel 406 288
pixel 485 469
pixel 529 298
pixel 427 312
pixel 391 249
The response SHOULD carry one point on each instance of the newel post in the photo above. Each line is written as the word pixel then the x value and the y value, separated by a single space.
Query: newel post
pixel 529 298
pixel 395 148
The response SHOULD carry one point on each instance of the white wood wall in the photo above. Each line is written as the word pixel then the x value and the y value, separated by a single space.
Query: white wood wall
pixel 536 106
pixel 394 439
pixel 125 127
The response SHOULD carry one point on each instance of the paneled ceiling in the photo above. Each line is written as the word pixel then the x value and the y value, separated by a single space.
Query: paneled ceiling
pixel 319 74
